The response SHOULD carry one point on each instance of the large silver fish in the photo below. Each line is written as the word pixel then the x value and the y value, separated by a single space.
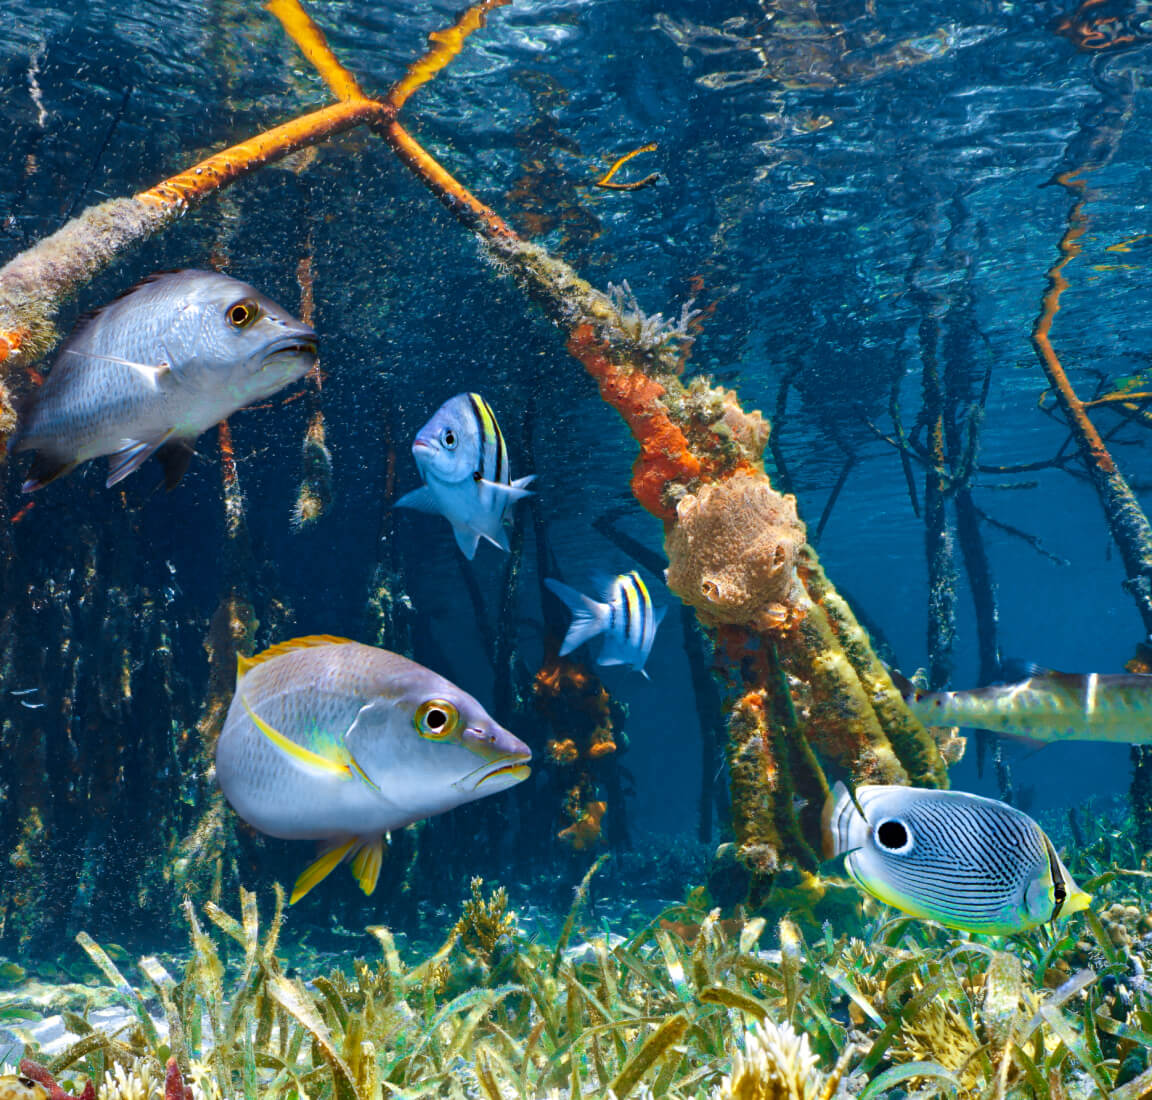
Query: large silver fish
pixel 625 617
pixel 965 861
pixel 1048 706
pixel 463 459
pixel 327 738
pixel 149 372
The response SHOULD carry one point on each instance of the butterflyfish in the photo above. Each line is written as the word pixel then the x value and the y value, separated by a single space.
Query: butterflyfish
pixel 965 861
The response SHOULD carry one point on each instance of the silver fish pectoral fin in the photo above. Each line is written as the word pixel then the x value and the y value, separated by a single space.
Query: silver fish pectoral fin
pixel 132 456
pixel 420 499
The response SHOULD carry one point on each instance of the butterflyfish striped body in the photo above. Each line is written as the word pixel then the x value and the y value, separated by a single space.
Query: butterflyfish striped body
pixel 463 459
pixel 332 740
pixel 965 861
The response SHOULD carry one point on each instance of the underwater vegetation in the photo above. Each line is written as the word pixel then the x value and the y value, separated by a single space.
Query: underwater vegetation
pixel 689 1005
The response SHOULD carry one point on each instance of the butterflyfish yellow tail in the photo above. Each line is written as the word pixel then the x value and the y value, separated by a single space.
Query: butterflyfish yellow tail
pixel 320 869
pixel 366 864
pixel 297 752
pixel 309 641
pixel 1076 901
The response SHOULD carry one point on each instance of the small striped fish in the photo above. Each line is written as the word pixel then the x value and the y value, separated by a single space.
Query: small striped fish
pixel 965 861
pixel 1048 706
pixel 463 459
pixel 626 618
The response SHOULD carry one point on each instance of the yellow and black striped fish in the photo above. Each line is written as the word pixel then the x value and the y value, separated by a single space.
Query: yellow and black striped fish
pixel 463 459
pixel 625 618
pixel 965 861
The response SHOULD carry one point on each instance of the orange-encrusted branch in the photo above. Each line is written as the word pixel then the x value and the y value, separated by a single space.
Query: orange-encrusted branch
pixel 699 469
pixel 1126 519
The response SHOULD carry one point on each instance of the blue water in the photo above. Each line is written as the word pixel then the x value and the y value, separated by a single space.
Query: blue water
pixel 834 179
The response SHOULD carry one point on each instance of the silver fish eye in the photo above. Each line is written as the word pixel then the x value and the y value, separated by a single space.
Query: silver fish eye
pixel 449 439
pixel 892 835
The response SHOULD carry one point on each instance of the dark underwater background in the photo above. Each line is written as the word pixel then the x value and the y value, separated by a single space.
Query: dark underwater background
pixel 859 197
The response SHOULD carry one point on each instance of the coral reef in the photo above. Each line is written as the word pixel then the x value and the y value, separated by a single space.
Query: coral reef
pixel 776 1064
pixel 316 483
pixel 732 552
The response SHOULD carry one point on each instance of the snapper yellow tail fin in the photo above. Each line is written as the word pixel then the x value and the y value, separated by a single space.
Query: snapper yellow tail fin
pixel 366 865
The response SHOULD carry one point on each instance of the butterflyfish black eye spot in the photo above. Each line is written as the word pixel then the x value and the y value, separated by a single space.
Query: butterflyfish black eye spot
pixel 893 835
pixel 242 313
pixel 27 1082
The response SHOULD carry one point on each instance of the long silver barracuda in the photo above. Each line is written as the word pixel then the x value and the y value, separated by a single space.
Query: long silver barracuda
pixel 150 371
pixel 1049 706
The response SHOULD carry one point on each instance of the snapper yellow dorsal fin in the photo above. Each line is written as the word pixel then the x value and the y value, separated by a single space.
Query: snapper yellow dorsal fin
pixel 317 871
pixel 308 641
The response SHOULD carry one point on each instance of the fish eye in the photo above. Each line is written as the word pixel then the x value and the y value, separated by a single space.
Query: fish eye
pixel 436 719
pixel 449 439
pixel 893 836
pixel 27 1082
pixel 241 314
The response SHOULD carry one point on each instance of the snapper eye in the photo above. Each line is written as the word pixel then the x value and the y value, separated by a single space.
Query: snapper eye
pixel 449 439
pixel 436 719
pixel 242 313
pixel 893 836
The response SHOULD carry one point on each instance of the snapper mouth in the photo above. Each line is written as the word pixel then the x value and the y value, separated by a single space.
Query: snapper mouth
pixel 296 347
pixel 499 774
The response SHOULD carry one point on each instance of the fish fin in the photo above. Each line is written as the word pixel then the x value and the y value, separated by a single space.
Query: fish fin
pixel 603 660
pixel 523 482
pixel 318 870
pixel 131 457
pixel 46 467
pixel 297 752
pixel 901 682
pixel 308 641
pixel 366 863
pixel 421 499
pixel 506 493
pixel 468 540
pixel 361 729
pixel 155 374
pixel 174 457
pixel 1013 670
pixel 498 537
pixel 658 614
pixel 835 799
pixel 588 617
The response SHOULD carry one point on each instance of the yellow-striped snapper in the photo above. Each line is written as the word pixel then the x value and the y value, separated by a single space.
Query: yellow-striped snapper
pixel 1048 706
pixel 149 372
pixel 625 618
pixel 330 739
pixel 463 459
pixel 967 862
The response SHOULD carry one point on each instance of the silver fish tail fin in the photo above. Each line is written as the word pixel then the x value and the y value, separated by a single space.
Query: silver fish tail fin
pixel 46 467
pixel 589 618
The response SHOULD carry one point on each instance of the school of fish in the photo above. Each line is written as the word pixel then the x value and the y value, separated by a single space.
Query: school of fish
pixel 330 740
